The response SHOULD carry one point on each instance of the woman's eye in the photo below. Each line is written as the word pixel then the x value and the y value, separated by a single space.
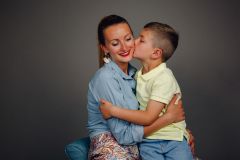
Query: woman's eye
pixel 114 44
pixel 128 39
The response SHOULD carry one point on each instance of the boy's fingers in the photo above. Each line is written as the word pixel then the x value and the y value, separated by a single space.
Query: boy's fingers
pixel 102 101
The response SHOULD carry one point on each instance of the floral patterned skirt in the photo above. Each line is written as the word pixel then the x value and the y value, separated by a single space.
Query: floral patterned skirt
pixel 105 147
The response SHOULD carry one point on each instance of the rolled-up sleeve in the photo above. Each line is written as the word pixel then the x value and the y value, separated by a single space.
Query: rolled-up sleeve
pixel 125 133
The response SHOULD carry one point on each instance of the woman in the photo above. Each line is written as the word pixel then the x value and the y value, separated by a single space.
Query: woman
pixel 115 138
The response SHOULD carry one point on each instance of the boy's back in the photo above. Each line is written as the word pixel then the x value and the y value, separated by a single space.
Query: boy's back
pixel 160 85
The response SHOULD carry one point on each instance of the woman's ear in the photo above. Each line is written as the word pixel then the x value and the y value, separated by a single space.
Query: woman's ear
pixel 103 48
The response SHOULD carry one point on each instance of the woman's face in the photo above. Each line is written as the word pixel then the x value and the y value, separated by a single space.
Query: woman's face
pixel 119 43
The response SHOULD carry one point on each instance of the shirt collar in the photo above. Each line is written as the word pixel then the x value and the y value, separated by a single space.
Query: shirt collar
pixel 153 72
pixel 131 70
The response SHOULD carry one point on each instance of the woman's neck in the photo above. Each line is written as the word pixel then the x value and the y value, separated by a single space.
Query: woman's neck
pixel 123 66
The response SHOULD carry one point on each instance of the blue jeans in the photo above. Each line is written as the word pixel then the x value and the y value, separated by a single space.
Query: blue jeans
pixel 165 150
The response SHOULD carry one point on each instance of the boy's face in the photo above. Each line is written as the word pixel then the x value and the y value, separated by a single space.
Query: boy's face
pixel 144 45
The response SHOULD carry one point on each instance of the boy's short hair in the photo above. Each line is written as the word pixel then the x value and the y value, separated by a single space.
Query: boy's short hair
pixel 165 37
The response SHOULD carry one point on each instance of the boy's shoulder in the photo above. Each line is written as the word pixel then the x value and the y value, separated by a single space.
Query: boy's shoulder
pixel 165 81
pixel 164 78
pixel 165 73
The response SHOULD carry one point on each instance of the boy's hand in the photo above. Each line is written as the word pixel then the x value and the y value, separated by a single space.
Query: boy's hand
pixel 176 111
pixel 105 108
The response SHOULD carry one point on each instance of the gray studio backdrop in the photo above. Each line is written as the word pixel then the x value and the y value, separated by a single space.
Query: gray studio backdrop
pixel 49 53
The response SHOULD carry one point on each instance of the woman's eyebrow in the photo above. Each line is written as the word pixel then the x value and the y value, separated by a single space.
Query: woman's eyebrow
pixel 128 34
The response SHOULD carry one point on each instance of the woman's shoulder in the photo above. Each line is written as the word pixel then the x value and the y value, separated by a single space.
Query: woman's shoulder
pixel 103 74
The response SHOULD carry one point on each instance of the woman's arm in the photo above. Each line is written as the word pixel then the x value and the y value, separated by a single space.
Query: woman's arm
pixel 123 131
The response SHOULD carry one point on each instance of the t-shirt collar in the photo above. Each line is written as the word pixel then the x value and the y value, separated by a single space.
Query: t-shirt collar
pixel 151 73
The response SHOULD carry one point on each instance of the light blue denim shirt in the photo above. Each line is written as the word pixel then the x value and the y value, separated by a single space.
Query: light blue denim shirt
pixel 112 84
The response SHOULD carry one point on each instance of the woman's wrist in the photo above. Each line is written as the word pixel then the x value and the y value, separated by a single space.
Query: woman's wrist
pixel 169 117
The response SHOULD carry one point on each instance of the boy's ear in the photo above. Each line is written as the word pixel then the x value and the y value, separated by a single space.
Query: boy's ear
pixel 157 53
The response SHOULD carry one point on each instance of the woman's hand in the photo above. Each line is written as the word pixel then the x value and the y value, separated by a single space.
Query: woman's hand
pixel 105 108
pixel 175 111
pixel 191 142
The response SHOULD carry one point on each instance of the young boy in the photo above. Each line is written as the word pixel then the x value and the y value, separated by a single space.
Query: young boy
pixel 156 85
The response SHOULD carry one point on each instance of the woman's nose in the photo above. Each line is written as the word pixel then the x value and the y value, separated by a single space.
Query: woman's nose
pixel 124 47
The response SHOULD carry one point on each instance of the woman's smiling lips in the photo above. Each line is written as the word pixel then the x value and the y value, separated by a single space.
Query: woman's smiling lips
pixel 125 54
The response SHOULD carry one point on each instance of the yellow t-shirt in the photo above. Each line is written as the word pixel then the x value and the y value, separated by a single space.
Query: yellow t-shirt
pixel 160 85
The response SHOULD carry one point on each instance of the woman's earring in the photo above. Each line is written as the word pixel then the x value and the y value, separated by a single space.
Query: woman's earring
pixel 106 58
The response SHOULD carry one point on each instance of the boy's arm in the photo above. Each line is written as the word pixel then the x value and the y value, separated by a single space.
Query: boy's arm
pixel 140 117
pixel 161 122
pixel 174 113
